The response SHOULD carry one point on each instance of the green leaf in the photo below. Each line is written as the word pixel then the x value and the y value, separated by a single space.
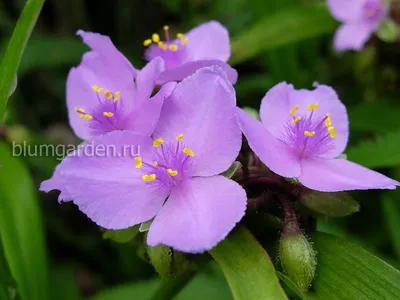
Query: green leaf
pixel 15 49
pixel 21 228
pixel 232 169
pixel 283 28
pixel 63 285
pixel 291 285
pixel 379 153
pixel 139 290
pixel 346 271
pixel 121 236
pixel 391 211
pixel 247 267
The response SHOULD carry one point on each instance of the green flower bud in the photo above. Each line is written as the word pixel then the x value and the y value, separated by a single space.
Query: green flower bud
pixel 167 262
pixel 329 204
pixel 298 259
pixel 388 31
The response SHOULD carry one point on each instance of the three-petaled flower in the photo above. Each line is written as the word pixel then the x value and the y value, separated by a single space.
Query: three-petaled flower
pixel 106 93
pixel 205 45
pixel 361 18
pixel 301 136
pixel 174 179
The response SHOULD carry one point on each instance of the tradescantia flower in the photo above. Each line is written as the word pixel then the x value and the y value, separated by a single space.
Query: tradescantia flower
pixel 106 93
pixel 175 177
pixel 361 18
pixel 205 45
pixel 302 134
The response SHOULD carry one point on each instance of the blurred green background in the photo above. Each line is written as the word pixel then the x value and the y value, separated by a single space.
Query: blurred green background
pixel 272 41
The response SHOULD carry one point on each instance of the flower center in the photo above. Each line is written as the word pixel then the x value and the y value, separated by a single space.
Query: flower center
pixel 170 162
pixel 373 10
pixel 309 134
pixel 173 52
pixel 107 115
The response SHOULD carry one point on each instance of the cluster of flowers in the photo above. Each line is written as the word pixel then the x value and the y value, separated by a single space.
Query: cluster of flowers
pixel 180 111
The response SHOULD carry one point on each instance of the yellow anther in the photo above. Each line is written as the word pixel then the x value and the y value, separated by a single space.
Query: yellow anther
pixel 166 27
pixel 179 137
pixel 81 110
pixel 108 94
pixel 88 117
pixel 147 42
pixel 138 162
pixel 158 142
pixel 149 177
pixel 328 121
pixel 97 89
pixel 332 132
pixel 116 96
pixel 162 46
pixel 294 122
pixel 108 114
pixel 309 133
pixel 180 35
pixel 184 40
pixel 155 164
pixel 173 47
pixel 155 37
pixel 293 110
pixel 188 151
pixel 172 172
pixel 312 106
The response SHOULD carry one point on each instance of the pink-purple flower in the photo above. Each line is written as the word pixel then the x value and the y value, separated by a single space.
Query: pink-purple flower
pixel 175 177
pixel 302 135
pixel 106 93
pixel 205 45
pixel 360 18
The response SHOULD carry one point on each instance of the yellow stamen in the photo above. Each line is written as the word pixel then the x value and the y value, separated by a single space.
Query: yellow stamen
pixel 173 47
pixel 81 110
pixel 155 164
pixel 332 132
pixel 155 37
pixel 172 172
pixel 161 45
pixel 138 162
pixel 88 117
pixel 184 40
pixel 294 122
pixel 166 27
pixel 158 142
pixel 293 110
pixel 312 106
pixel 97 89
pixel 309 133
pixel 179 137
pixel 108 114
pixel 149 177
pixel 180 35
pixel 328 121
pixel 188 151
pixel 108 94
pixel 116 96
pixel 147 42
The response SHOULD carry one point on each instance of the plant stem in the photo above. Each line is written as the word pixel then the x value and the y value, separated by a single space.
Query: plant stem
pixel 172 287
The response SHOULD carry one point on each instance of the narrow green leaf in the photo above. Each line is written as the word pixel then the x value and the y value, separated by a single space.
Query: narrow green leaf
pixel 15 49
pixel 63 285
pixel 291 285
pixel 391 211
pixel 21 228
pixel 247 267
pixel 346 271
pixel 283 28
pixel 379 153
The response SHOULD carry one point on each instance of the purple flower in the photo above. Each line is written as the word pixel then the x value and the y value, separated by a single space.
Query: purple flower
pixel 205 45
pixel 175 177
pixel 361 18
pixel 106 93
pixel 302 135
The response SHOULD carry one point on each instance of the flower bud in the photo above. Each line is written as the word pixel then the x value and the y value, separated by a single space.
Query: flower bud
pixel 298 259
pixel 329 204
pixel 388 31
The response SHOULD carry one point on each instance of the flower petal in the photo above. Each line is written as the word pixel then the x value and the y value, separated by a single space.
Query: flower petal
pixel 209 40
pixel 333 175
pixel 145 115
pixel 187 69
pixel 146 78
pixel 198 214
pixel 202 108
pixel 100 177
pixel 346 10
pixel 275 154
pixel 352 36
pixel 277 103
